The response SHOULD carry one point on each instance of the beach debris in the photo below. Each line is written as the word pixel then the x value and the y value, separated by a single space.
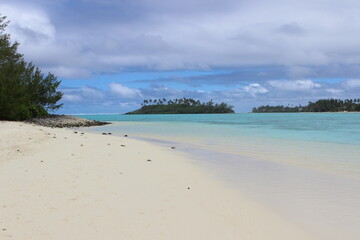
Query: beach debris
pixel 125 135
pixel 172 147
pixel 81 145
pixel 149 160
pixel 104 134
pixel 18 150
pixel 188 187
pixel 82 133
pixel 75 132
pixel 41 161
pixel 109 133
pixel 123 145
pixel 54 136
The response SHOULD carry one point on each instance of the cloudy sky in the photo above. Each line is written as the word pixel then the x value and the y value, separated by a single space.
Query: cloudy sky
pixel 112 54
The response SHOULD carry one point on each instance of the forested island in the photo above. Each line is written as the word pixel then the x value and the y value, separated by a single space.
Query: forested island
pixel 181 106
pixel 322 105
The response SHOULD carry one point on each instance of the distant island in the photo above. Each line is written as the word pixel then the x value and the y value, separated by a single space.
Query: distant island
pixel 181 106
pixel 322 105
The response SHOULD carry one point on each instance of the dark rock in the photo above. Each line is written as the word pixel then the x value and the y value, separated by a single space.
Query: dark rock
pixel 122 145
pixel 149 160
pixel 125 135
pixel 172 147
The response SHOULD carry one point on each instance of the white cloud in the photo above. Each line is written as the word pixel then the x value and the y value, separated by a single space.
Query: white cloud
pixel 123 91
pixel 334 91
pixel 71 98
pixel 28 24
pixel 160 35
pixel 296 85
pixel 254 89
pixel 352 83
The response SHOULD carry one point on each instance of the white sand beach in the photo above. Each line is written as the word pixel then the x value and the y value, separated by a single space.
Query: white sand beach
pixel 57 184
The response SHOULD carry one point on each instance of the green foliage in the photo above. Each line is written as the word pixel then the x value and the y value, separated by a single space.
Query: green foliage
pixel 322 105
pixel 24 91
pixel 181 106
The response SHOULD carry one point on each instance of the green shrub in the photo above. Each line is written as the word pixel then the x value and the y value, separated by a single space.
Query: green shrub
pixel 24 91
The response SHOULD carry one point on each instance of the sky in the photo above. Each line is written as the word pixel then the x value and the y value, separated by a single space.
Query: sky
pixel 112 54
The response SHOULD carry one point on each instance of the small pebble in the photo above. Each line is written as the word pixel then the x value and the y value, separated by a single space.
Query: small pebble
pixel 104 133
pixel 75 132
pixel 108 144
pixel 125 135
pixel 188 188
pixel 109 133
pixel 123 145
pixel 41 161
pixel 149 160
pixel 81 145
pixel 172 147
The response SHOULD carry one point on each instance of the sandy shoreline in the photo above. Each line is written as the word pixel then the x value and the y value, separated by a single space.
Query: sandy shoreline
pixel 57 184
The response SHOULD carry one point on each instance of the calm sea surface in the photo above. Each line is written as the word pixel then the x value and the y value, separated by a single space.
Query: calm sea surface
pixel 304 165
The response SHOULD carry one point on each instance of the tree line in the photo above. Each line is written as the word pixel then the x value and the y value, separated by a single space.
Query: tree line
pixel 181 106
pixel 321 105
pixel 25 92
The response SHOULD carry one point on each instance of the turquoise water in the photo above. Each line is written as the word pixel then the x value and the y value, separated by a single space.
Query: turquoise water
pixel 304 165
pixel 325 127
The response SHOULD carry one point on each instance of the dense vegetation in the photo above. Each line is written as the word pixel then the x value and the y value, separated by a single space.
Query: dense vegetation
pixel 181 106
pixel 24 91
pixel 322 105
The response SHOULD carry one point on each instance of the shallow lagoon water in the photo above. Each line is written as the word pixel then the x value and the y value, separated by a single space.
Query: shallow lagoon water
pixel 306 166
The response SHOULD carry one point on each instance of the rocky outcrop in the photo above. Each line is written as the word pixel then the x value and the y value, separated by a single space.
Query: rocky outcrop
pixel 64 121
